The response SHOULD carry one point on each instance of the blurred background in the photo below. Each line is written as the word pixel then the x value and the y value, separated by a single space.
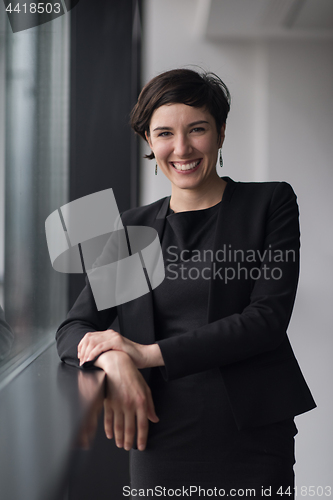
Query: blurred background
pixel 66 91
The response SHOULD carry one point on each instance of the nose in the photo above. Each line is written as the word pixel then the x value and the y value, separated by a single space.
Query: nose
pixel 182 145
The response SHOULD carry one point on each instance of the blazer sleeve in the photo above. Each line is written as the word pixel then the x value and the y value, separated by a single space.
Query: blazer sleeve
pixel 261 325
pixel 84 316
pixel 81 319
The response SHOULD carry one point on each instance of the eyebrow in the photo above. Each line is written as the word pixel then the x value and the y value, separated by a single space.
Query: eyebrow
pixel 189 125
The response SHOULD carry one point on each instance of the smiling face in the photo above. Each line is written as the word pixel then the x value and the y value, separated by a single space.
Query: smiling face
pixel 185 143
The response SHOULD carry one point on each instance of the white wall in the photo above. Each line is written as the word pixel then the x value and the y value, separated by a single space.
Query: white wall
pixel 280 128
pixel 300 117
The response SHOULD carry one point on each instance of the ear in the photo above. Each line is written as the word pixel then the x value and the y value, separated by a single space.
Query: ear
pixel 148 140
pixel 222 135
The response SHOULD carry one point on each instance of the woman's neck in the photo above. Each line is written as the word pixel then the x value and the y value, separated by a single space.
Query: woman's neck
pixel 184 200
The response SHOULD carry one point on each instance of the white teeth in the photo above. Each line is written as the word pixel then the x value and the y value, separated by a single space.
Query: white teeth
pixel 188 166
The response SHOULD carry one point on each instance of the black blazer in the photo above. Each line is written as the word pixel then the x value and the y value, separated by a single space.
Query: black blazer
pixel 245 335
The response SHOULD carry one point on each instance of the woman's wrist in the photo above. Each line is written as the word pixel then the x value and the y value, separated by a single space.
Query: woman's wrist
pixel 150 356
pixel 153 356
pixel 109 358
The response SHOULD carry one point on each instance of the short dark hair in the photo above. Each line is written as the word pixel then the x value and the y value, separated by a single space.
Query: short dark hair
pixel 185 86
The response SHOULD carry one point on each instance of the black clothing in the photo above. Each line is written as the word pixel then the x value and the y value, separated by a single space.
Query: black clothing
pixel 244 335
pixel 189 406
pixel 196 441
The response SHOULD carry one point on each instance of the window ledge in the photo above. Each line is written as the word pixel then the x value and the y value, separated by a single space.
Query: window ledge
pixel 42 412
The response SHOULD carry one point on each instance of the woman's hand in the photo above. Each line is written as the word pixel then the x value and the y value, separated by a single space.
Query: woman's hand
pixel 128 404
pixel 95 343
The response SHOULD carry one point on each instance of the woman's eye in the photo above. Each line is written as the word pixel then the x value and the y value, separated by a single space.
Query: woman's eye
pixel 163 134
pixel 198 129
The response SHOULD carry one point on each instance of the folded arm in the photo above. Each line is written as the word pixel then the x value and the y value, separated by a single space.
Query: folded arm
pixel 261 325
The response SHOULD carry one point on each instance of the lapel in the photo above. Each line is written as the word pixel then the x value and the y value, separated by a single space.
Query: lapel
pixel 147 311
pixel 139 314
pixel 219 294
pixel 159 222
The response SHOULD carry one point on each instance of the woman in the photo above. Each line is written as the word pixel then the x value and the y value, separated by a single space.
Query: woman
pixel 211 340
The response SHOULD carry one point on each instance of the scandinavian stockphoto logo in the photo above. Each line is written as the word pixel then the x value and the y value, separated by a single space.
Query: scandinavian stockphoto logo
pixel 24 15
pixel 87 236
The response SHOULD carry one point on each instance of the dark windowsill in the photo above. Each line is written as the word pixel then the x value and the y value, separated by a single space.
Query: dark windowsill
pixel 42 413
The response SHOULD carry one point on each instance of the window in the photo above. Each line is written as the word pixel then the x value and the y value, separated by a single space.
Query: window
pixel 34 145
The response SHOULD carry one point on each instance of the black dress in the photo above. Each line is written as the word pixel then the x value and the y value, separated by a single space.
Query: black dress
pixel 196 443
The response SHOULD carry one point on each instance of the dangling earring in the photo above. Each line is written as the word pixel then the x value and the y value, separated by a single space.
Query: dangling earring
pixel 156 169
pixel 221 159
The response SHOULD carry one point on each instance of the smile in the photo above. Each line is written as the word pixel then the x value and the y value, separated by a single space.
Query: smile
pixel 185 166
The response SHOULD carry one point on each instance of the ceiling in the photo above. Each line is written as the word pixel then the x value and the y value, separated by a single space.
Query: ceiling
pixel 225 19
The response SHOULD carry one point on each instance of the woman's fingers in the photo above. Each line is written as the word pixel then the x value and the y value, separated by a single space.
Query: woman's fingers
pixel 129 429
pixel 118 427
pixel 130 399
pixel 93 351
pixel 87 343
pixel 94 343
pixel 91 342
pixel 145 411
pixel 123 427
pixel 142 427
